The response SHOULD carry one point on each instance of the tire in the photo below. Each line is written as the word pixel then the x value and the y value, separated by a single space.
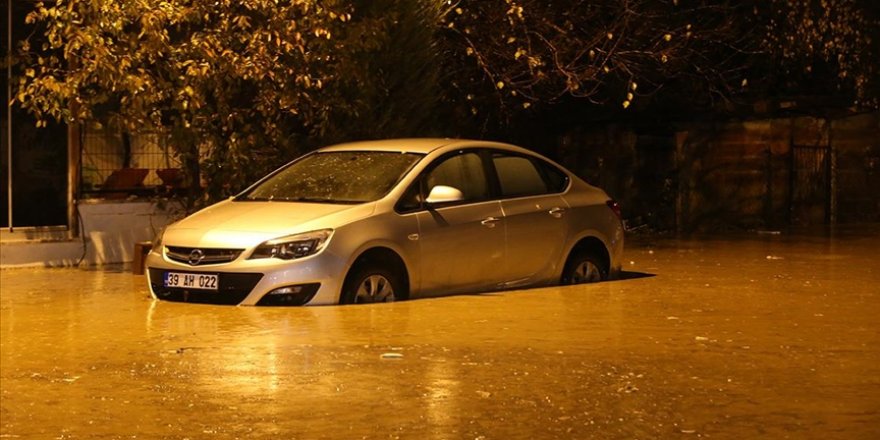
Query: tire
pixel 583 267
pixel 372 284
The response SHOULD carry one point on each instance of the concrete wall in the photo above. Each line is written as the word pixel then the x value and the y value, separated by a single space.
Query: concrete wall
pixel 111 230
pixel 741 173
pixel 734 174
pixel 856 142
pixel 729 175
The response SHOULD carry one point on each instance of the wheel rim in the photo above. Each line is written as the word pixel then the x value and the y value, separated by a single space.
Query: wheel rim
pixel 586 272
pixel 374 288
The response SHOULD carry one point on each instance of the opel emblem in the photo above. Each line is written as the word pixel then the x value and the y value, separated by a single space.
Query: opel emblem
pixel 195 257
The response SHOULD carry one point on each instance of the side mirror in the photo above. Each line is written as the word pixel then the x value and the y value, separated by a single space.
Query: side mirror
pixel 444 194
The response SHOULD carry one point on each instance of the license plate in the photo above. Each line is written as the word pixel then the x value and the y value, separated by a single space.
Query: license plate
pixel 191 280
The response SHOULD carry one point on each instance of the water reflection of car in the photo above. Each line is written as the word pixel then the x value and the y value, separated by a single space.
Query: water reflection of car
pixel 390 220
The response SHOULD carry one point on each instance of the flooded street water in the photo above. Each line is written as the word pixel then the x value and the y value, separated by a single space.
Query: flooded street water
pixel 753 337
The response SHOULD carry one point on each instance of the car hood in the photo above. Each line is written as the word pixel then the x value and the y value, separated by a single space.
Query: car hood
pixel 231 224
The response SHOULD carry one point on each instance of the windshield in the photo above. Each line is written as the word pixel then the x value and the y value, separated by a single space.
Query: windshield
pixel 335 177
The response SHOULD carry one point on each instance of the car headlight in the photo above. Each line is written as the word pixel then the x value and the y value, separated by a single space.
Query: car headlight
pixel 293 246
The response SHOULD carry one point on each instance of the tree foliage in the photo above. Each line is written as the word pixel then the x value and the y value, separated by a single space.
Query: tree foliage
pixel 833 44
pixel 616 52
pixel 393 87
pixel 238 85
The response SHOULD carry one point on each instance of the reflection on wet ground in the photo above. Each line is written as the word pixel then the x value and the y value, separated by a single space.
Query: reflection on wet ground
pixel 762 337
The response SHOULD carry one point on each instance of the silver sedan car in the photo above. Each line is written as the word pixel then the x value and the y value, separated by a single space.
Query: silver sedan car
pixel 392 220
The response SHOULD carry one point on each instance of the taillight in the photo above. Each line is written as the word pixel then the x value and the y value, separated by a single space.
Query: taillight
pixel 615 207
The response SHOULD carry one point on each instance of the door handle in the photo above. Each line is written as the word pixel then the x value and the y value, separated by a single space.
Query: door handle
pixel 556 212
pixel 489 222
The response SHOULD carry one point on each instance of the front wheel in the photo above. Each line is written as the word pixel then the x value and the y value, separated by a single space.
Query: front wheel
pixel 583 267
pixel 372 285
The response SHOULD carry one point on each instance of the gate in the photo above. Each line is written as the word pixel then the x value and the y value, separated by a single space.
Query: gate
pixel 810 186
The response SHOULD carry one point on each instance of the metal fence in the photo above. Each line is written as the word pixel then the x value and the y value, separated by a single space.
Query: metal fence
pixel 117 164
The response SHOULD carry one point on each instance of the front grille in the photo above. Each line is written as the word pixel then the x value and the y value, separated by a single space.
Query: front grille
pixel 233 288
pixel 200 256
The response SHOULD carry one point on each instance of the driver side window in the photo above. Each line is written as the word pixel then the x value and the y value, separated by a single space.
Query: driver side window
pixel 464 172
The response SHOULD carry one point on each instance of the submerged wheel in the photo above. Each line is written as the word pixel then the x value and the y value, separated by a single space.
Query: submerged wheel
pixel 372 284
pixel 583 267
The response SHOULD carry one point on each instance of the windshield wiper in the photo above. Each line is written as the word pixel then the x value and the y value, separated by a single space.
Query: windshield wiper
pixel 298 199
pixel 319 200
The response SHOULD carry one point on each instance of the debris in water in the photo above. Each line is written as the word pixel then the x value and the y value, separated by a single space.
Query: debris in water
pixel 627 388
pixel 774 257
pixel 701 338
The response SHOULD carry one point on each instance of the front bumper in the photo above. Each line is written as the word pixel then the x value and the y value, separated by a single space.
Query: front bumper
pixel 247 282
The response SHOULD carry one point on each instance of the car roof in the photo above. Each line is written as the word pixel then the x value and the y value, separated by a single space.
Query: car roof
pixel 412 145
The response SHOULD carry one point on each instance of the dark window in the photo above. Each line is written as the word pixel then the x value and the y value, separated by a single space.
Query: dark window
pixel 521 176
pixel 556 180
pixel 411 199
pixel 518 176
pixel 464 172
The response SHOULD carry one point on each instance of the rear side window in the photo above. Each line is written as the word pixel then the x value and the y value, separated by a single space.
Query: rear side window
pixel 521 176
pixel 518 176
pixel 556 180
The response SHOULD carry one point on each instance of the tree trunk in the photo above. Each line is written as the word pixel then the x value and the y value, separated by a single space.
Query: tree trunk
pixel 188 150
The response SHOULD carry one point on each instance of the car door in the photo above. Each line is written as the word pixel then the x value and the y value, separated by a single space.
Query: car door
pixel 535 216
pixel 461 243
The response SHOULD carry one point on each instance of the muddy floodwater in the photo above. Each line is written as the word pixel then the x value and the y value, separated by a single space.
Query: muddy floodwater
pixel 759 336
